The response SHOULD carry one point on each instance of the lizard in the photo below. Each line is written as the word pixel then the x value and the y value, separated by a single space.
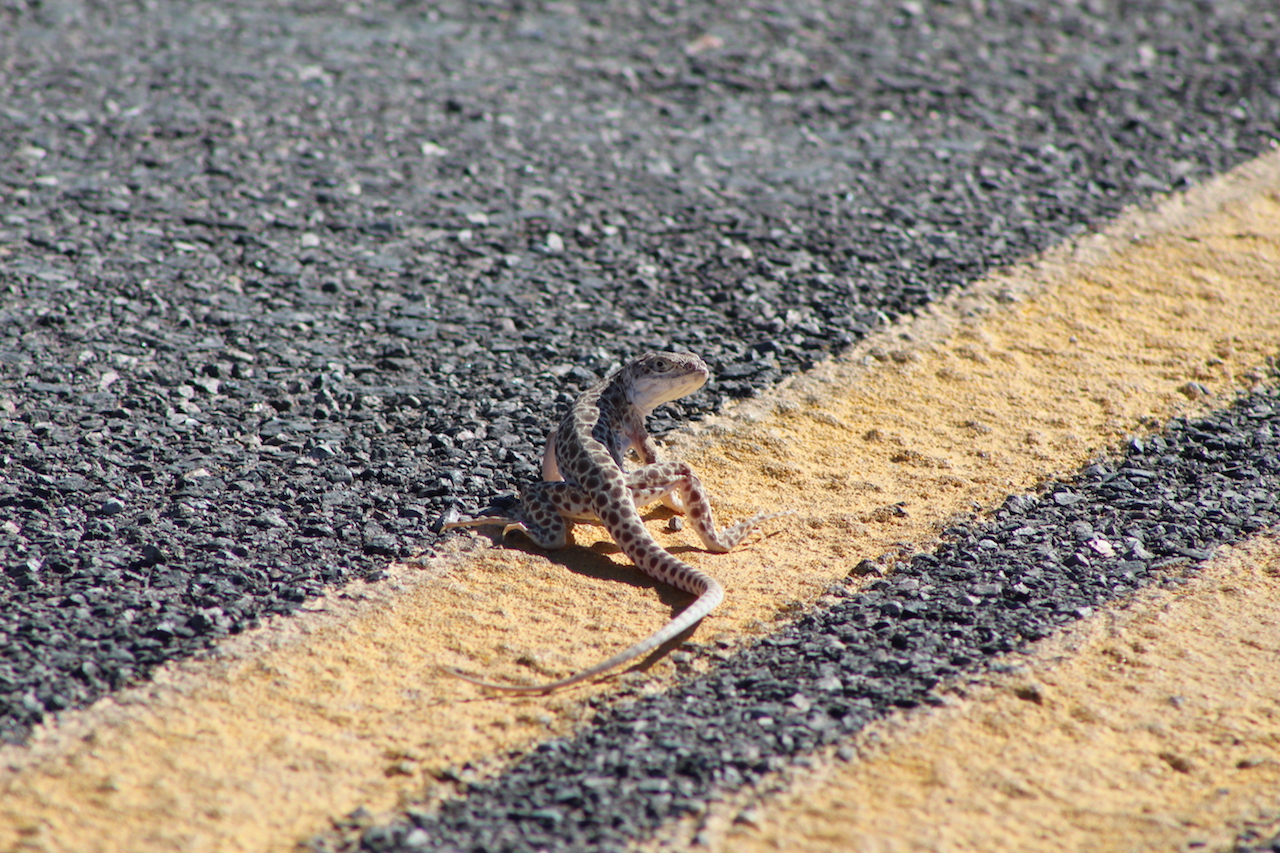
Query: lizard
pixel 586 481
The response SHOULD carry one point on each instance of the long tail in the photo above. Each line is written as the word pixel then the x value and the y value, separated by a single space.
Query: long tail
pixel 709 599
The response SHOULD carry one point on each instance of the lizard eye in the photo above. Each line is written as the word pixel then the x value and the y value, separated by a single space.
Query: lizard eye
pixel 661 365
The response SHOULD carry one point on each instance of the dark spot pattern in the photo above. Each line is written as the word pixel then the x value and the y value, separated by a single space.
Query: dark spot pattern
pixel 603 423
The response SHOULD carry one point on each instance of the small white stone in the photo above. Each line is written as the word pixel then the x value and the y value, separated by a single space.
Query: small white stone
pixel 1102 547
pixel 829 683
pixel 801 703
pixel 417 837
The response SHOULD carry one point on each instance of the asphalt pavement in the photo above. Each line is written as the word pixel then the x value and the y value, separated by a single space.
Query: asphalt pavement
pixel 281 285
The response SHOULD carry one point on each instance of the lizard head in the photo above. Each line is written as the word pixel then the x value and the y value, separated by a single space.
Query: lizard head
pixel 660 377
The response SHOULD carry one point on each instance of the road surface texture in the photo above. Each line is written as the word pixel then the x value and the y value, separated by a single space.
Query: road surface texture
pixel 283 284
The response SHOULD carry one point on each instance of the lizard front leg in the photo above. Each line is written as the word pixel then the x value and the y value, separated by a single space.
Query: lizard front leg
pixel 647 449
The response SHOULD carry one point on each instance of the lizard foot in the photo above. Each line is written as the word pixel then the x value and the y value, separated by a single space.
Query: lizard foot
pixel 732 536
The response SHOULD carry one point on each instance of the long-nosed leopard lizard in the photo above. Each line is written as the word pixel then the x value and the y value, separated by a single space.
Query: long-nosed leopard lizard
pixel 587 481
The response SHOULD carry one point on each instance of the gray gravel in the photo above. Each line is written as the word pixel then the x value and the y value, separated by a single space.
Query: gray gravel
pixel 283 283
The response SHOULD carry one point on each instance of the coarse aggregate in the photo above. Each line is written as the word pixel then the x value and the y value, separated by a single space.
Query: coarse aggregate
pixel 1044 560
pixel 283 283
pixel 1251 842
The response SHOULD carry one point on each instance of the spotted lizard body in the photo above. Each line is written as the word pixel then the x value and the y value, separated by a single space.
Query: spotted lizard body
pixel 587 481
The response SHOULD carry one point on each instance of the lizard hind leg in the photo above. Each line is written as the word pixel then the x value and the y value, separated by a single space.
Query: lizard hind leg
pixel 743 529
pixel 678 479
pixel 548 511
pixel 478 521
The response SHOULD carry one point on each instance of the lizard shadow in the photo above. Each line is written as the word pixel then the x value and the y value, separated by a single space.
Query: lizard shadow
pixel 594 561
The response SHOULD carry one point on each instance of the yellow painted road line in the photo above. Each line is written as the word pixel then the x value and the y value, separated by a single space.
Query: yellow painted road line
pixel 1037 371
pixel 1154 726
